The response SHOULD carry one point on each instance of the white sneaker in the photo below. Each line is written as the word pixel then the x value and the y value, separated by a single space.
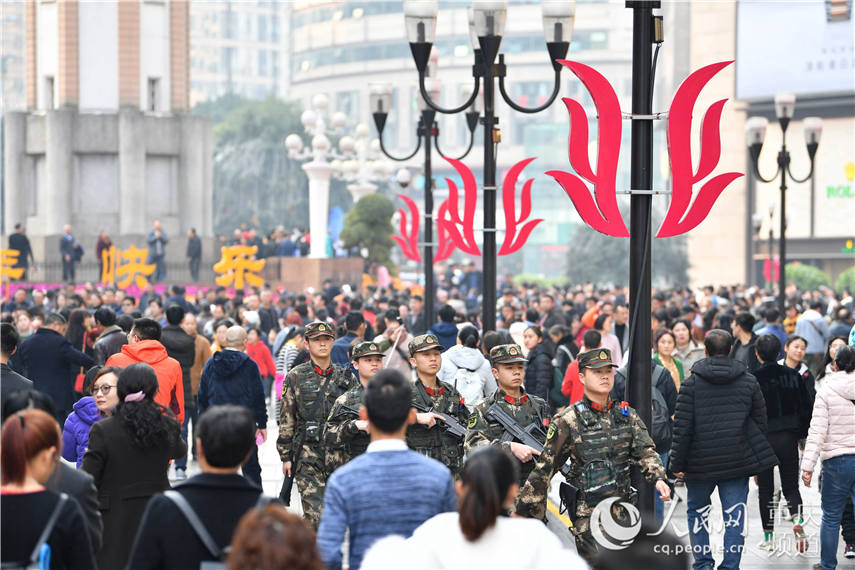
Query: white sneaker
pixel 767 545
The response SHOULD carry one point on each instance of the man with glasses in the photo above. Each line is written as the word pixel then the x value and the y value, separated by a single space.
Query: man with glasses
pixel 128 305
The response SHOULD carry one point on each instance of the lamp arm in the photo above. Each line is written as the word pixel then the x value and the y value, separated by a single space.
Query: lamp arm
pixel 806 178
pixel 436 107
pixel 756 164
pixel 396 158
pixel 462 156
pixel 514 106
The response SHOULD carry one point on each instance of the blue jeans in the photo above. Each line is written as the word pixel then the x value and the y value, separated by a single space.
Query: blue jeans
pixel 734 495
pixel 659 504
pixel 838 484
pixel 252 469
pixel 181 462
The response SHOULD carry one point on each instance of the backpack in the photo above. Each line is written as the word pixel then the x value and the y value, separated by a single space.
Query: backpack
pixel 40 557
pixel 661 429
pixel 469 384
pixel 556 396
pixel 199 528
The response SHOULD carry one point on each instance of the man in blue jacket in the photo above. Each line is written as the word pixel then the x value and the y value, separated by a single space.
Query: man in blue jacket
pixel 231 377
pixel 387 490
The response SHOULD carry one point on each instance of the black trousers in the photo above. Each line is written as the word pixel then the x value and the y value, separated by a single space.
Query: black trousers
pixel 785 444
pixel 67 270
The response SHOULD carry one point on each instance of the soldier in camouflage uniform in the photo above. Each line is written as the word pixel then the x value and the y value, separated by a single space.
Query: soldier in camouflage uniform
pixel 346 436
pixel 602 438
pixel 509 369
pixel 308 396
pixel 427 436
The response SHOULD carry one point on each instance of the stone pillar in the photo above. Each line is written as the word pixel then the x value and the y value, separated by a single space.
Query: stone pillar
pixel 15 193
pixel 59 171
pixel 319 205
pixel 68 64
pixel 195 191
pixel 132 197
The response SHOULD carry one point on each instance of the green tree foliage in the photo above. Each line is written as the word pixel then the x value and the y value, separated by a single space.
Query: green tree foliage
pixel 368 227
pixel 255 182
pixel 806 277
pixel 846 281
pixel 602 259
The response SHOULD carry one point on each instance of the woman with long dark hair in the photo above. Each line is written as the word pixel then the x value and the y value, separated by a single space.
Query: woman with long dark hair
pixel 538 372
pixel 479 533
pixel 827 368
pixel 31 447
pixel 128 456
pixel 75 332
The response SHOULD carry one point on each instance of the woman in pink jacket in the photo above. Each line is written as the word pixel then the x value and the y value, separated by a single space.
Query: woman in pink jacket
pixel 832 435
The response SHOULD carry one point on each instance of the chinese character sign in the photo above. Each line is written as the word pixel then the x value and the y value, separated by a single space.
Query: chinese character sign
pixel 237 265
pixel 8 260
pixel 123 267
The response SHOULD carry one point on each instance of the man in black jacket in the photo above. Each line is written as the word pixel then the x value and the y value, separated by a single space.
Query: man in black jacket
pixel 788 409
pixel 719 441
pixel 21 243
pixel 232 377
pixel 194 253
pixel 180 346
pixel 218 496
pixel 46 358
pixel 111 337
pixel 744 340
pixel 10 381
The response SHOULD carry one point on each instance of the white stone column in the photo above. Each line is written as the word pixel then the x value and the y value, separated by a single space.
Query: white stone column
pixel 319 174
pixel 361 188
pixel 59 172
pixel 132 151
pixel 15 193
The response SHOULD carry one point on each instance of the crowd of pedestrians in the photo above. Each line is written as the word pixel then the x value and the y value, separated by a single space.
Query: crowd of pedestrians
pixel 372 400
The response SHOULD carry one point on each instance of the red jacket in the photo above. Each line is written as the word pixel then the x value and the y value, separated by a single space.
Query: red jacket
pixel 170 387
pixel 261 355
pixel 571 386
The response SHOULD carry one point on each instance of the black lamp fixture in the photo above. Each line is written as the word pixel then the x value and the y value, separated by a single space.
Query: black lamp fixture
pixel 755 133
pixel 486 27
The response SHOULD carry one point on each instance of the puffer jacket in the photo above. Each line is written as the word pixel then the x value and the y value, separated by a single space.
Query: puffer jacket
pixel 232 377
pixel 471 359
pixel 538 372
pixel 720 423
pixel 75 435
pixel 832 426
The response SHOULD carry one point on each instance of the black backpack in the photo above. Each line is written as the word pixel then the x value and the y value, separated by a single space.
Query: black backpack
pixel 661 428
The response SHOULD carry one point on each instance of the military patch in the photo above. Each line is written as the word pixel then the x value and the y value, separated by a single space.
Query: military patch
pixel 473 419
pixel 551 431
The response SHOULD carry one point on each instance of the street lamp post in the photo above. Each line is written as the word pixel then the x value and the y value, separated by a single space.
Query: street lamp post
pixel 755 133
pixel 427 134
pixel 486 28
pixel 351 163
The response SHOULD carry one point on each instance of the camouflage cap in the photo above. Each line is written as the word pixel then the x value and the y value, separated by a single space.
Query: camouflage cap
pixel 506 354
pixel 365 348
pixel 319 328
pixel 597 358
pixel 424 342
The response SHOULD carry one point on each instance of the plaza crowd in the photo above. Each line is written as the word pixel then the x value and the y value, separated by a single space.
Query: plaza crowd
pixel 368 398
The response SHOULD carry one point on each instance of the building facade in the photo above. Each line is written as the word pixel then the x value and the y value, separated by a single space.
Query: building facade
pixel 106 141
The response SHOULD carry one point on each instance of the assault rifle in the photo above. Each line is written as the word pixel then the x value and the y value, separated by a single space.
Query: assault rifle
pixel 450 424
pixel 343 410
pixel 529 435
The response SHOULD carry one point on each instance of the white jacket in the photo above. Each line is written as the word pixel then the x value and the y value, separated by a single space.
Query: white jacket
pixel 832 426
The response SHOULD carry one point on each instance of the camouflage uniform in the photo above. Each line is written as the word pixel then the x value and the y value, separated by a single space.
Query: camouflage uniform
pixel 301 390
pixel 602 444
pixel 343 439
pixel 526 410
pixel 436 442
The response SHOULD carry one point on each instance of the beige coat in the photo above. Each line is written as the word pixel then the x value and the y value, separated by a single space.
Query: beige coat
pixel 832 426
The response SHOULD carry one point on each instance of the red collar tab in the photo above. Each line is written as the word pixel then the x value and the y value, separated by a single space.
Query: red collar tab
pixel 512 400
pixel 432 392
pixel 545 422
pixel 321 371
pixel 599 408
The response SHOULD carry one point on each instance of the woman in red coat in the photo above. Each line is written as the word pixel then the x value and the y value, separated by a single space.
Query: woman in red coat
pixel 261 355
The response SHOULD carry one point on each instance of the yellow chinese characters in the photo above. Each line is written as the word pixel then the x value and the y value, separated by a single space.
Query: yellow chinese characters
pixel 8 260
pixel 123 267
pixel 238 264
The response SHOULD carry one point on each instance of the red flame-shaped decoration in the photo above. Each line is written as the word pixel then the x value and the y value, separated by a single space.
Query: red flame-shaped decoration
pixel 680 218
pixel 515 239
pixel 409 240
pixel 449 222
pixel 604 215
